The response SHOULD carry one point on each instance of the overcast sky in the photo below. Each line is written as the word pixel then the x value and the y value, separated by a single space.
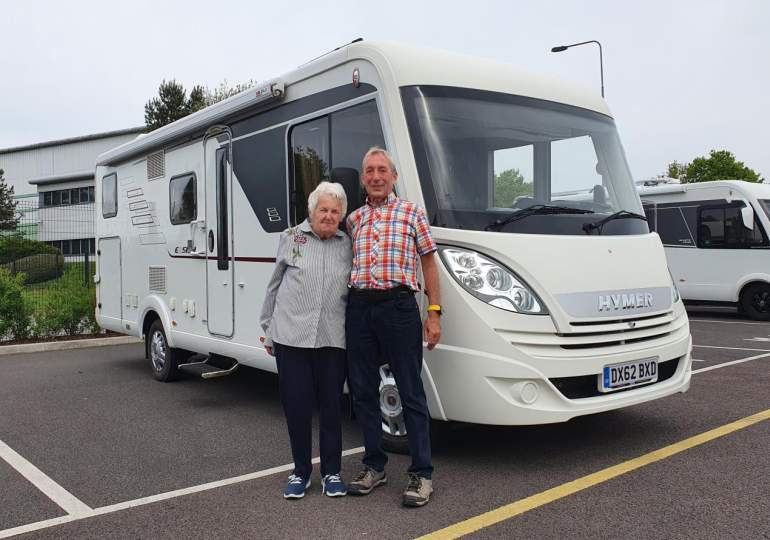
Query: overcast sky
pixel 680 77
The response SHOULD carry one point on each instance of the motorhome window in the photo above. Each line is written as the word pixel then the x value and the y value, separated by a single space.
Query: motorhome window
pixel 331 148
pixel 765 203
pixel 183 199
pixel 483 156
pixel 353 131
pixel 310 153
pixel 722 227
pixel 672 227
pixel 651 214
pixel 110 195
pixel 223 255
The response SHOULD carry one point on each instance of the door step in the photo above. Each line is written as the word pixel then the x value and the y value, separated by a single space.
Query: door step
pixel 211 366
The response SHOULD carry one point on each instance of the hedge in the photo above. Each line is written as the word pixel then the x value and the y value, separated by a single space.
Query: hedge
pixel 38 268
pixel 16 246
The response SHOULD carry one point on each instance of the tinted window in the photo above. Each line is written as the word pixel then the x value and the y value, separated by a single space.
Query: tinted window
pixel 259 164
pixel 183 199
pixel 222 211
pixel 110 195
pixel 75 196
pixel 722 227
pixel 331 148
pixel 65 196
pixel 672 228
pixel 310 150
pixel 765 203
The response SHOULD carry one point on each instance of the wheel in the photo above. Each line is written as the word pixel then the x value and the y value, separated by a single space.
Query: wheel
pixel 755 301
pixel 394 437
pixel 163 359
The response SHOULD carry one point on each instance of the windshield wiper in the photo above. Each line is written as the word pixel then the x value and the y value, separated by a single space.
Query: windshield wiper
pixel 538 209
pixel 622 214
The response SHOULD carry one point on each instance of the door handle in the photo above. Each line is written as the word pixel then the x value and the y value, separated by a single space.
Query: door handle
pixel 211 241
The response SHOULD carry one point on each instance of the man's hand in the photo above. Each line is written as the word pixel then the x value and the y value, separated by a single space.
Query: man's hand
pixel 432 329
pixel 269 350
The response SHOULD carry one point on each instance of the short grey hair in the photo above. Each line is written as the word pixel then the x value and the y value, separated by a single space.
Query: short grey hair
pixel 375 150
pixel 333 189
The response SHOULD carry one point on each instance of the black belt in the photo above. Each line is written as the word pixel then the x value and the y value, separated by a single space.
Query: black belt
pixel 381 295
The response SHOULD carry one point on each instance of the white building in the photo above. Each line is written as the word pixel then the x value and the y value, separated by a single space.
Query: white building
pixel 61 175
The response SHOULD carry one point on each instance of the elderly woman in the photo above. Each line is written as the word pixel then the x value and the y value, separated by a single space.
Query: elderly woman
pixel 304 322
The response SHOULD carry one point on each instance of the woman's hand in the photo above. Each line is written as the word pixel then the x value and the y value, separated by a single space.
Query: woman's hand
pixel 269 350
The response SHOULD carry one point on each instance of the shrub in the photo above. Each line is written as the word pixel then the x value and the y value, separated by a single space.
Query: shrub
pixel 14 314
pixel 16 246
pixel 38 268
pixel 68 308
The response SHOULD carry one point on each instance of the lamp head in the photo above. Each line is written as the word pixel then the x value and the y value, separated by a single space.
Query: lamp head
pixel 560 48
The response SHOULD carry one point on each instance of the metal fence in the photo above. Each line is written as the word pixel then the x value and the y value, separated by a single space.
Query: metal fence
pixel 52 244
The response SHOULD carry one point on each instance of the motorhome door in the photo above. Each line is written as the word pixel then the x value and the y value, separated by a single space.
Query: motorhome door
pixel 219 233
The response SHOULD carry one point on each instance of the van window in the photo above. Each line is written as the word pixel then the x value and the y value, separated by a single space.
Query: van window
pixel 765 203
pixel 331 148
pixel 721 227
pixel 672 227
pixel 182 199
pixel 110 195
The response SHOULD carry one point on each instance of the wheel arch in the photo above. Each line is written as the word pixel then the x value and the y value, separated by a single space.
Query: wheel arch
pixel 752 280
pixel 154 309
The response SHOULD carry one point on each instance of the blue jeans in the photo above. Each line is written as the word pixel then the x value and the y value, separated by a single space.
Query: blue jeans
pixel 379 332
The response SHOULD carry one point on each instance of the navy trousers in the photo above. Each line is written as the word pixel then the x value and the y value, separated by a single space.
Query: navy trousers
pixel 388 331
pixel 304 377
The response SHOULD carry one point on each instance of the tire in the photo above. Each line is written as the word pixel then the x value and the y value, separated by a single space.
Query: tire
pixel 164 360
pixel 755 301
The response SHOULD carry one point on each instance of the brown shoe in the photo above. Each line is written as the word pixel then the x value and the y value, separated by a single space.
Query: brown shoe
pixel 366 481
pixel 418 491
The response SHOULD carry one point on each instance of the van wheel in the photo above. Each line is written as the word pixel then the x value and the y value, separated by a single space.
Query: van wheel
pixel 394 438
pixel 755 301
pixel 163 359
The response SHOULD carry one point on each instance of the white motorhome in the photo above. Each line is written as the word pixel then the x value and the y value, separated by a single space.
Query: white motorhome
pixel 716 240
pixel 557 298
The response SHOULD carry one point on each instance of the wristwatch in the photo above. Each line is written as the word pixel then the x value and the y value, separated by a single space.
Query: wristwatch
pixel 436 308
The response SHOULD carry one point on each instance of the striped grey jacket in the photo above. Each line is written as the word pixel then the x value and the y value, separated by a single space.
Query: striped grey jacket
pixel 307 293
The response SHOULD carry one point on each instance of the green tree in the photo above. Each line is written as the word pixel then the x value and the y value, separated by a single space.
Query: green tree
pixel 224 91
pixel 172 103
pixel 677 170
pixel 719 165
pixel 510 185
pixel 8 218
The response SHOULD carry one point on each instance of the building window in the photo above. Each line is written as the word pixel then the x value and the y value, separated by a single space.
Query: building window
pixel 109 195
pixel 183 199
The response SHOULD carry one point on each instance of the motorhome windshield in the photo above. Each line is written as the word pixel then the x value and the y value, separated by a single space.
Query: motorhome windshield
pixel 484 157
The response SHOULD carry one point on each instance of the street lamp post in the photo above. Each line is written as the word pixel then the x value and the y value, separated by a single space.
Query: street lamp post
pixel 561 48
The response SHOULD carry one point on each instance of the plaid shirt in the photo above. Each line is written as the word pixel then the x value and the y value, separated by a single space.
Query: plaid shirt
pixel 386 242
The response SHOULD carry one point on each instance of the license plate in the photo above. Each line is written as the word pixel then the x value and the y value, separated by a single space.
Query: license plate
pixel 627 374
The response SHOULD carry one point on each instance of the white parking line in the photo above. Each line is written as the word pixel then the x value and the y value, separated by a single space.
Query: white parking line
pixel 154 498
pixel 731 348
pixel 728 322
pixel 66 500
pixel 695 360
pixel 725 364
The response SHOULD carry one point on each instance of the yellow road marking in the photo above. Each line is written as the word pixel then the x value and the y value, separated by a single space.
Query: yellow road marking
pixel 550 495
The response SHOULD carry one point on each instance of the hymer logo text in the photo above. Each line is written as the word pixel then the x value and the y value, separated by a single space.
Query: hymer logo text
pixel 613 302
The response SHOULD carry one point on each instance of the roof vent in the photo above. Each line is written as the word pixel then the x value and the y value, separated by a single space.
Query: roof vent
pixel 156 165
pixel 157 279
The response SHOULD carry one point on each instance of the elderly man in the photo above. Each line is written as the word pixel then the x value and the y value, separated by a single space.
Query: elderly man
pixel 383 322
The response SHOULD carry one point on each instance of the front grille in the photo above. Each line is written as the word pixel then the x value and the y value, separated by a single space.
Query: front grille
pixel 610 333
pixel 585 386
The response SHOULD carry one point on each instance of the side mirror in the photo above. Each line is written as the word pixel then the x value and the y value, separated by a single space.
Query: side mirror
pixel 747 214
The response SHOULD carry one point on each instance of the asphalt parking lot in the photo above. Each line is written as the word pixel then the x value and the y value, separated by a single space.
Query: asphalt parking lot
pixel 92 447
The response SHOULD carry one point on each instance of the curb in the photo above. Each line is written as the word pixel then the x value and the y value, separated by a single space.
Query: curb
pixel 66 345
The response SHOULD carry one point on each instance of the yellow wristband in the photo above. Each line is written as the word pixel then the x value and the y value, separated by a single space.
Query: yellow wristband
pixel 434 307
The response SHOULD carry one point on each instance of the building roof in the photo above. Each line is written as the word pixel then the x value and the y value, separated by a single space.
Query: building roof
pixel 82 138
pixel 59 178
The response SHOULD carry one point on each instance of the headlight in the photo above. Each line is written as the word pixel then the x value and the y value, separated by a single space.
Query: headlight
pixel 491 282
pixel 674 291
